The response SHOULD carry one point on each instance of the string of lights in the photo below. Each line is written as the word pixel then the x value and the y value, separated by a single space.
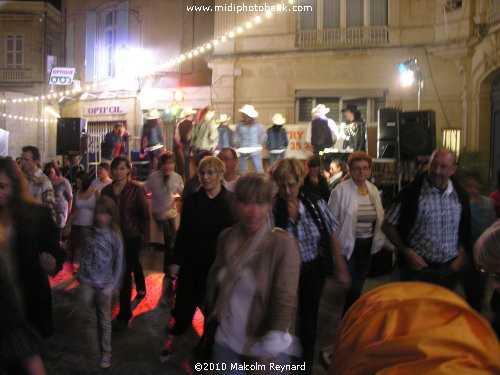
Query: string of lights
pixel 85 91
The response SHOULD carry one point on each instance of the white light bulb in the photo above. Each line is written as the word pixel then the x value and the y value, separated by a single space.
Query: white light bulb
pixel 257 19
pixel 239 30
pixel 232 34
pixel 249 24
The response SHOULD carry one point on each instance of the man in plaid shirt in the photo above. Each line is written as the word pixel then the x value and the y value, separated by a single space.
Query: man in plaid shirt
pixel 429 223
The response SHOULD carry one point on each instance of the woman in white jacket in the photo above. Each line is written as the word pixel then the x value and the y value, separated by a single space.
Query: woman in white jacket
pixel 357 207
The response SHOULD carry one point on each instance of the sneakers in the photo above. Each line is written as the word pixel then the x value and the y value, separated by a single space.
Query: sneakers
pixel 325 357
pixel 105 361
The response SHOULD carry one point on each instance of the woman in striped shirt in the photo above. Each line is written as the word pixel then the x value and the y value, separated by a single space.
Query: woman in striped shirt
pixel 357 207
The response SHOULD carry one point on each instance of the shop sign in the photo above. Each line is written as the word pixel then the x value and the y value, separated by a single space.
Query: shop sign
pixel 104 110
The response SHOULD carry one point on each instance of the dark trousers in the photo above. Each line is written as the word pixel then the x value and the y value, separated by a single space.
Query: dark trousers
pixel 132 265
pixel 311 282
pixel 474 285
pixel 186 151
pixel 495 307
pixel 168 227
pixel 358 266
pixel 190 293
pixel 434 273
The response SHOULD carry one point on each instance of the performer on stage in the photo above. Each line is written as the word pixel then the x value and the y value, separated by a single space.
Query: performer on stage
pixel 321 132
pixel 355 130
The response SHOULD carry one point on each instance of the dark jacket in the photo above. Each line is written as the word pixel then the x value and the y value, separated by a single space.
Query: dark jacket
pixel 36 232
pixel 202 219
pixel 109 144
pixel 321 134
pixel 320 190
pixel 277 138
pixel 133 208
pixel 408 197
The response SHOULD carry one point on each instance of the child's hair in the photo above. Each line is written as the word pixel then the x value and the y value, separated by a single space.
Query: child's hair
pixel 106 205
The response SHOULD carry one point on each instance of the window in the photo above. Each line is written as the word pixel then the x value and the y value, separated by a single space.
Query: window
pixel 14 51
pixel 451 140
pixel 109 43
pixel 452 4
pixel 367 106
pixel 333 14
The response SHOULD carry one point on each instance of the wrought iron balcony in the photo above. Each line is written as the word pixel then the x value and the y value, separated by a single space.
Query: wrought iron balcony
pixel 342 37
pixel 15 75
pixel 493 14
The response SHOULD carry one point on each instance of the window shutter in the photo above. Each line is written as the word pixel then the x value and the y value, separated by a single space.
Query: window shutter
pixel 90 46
pixel 122 25
pixel 70 44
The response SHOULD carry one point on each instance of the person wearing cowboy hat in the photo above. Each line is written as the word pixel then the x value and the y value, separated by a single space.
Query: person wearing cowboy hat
pixel 115 143
pixel 355 130
pixel 249 138
pixel 225 132
pixel 322 131
pixel 181 137
pixel 277 138
pixel 152 141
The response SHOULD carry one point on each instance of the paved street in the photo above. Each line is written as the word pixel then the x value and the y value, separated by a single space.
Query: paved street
pixel 136 351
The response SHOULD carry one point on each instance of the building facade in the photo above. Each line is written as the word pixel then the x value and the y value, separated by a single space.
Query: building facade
pixel 119 48
pixel 337 52
pixel 30 40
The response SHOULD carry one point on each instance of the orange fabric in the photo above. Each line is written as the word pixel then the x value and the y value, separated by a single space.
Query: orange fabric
pixel 414 328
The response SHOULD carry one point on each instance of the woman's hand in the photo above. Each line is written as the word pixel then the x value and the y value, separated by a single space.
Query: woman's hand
pixel 343 278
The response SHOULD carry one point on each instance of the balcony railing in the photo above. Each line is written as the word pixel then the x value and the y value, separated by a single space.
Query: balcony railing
pixel 342 37
pixel 14 75
pixel 493 14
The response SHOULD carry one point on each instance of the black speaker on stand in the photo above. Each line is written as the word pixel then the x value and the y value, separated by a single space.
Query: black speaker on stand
pixel 417 134
pixel 387 133
pixel 69 134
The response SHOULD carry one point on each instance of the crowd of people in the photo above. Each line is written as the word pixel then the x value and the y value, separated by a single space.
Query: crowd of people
pixel 251 250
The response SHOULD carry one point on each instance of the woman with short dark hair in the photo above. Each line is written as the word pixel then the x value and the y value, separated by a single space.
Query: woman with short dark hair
pixel 133 212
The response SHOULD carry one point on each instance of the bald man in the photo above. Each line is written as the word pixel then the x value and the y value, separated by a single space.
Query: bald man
pixel 429 223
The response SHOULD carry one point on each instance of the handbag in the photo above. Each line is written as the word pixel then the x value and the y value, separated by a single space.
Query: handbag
pixel 204 348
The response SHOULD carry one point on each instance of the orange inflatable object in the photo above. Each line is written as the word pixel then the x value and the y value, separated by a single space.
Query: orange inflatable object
pixel 414 328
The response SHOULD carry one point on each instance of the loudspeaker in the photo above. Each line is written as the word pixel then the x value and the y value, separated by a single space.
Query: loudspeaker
pixel 69 133
pixel 417 134
pixel 387 133
pixel 387 124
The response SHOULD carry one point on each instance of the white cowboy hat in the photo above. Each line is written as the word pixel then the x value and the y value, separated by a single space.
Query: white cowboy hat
pixel 278 119
pixel 223 118
pixel 249 110
pixel 186 111
pixel 152 114
pixel 320 110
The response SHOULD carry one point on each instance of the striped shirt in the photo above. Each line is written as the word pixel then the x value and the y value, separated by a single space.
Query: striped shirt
pixel 367 215
pixel 434 236
pixel 306 232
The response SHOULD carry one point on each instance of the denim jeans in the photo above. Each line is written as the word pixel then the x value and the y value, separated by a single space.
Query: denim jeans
pixel 274 157
pixel 257 161
pixel 96 300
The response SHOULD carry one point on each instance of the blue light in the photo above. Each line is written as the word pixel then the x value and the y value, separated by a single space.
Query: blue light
pixel 402 68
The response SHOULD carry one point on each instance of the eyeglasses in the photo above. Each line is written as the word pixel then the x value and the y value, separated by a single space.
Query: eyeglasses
pixel 489 275
pixel 209 172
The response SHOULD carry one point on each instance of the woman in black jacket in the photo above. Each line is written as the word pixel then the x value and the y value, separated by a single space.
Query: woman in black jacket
pixel 29 246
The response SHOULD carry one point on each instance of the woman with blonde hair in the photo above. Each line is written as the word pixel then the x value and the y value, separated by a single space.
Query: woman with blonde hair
pixel 252 285
pixel 205 213
pixel 306 217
